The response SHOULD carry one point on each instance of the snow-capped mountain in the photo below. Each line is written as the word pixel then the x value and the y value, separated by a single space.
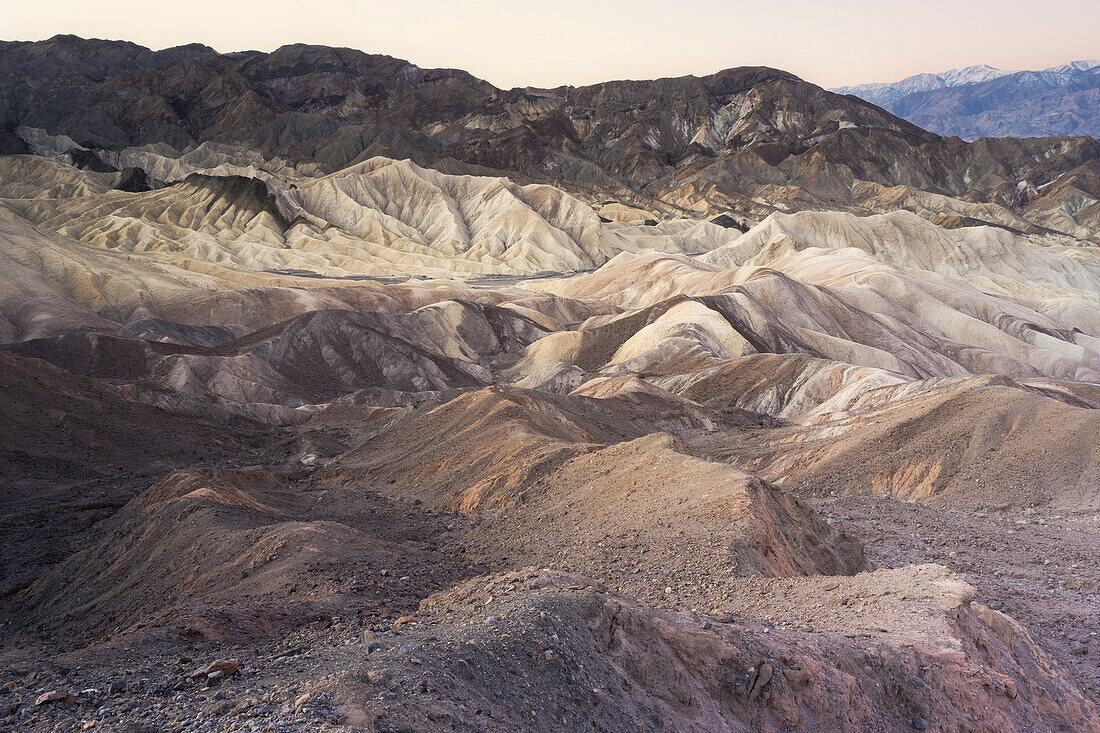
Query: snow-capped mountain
pixel 980 101
pixel 882 93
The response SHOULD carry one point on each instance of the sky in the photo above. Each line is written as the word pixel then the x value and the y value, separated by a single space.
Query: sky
pixel 555 42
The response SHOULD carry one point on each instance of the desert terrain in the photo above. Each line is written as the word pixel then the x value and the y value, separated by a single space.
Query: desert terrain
pixel 337 393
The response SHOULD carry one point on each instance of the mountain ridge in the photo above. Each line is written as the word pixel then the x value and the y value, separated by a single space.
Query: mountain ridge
pixel 884 92
pixel 741 142
pixel 981 101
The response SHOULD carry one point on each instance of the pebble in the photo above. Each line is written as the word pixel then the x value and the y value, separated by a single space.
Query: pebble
pixel 62 696
pixel 227 667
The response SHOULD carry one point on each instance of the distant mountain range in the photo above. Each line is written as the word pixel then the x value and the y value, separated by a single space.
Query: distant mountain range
pixel 982 101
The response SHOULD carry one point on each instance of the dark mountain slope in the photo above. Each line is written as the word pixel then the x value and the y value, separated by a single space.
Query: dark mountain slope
pixel 727 134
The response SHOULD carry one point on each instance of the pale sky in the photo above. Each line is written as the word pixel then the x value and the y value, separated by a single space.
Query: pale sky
pixel 553 42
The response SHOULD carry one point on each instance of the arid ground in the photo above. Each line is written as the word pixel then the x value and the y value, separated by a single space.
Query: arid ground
pixel 339 393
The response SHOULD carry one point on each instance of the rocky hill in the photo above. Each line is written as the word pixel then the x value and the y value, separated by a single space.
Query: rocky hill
pixel 743 140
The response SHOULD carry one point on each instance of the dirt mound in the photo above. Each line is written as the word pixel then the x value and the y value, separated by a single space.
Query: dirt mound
pixel 542 486
pixel 973 442
pixel 313 358
pixel 785 386
pixel 848 305
pixel 545 651
pixel 203 546
pixel 74 450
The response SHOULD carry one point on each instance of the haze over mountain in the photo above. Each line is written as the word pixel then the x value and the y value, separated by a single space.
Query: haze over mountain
pixel 339 392
pixel 981 101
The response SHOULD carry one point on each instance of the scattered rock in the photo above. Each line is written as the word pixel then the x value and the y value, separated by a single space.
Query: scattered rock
pixel 226 666
pixel 763 677
pixel 62 696
pixel 378 676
